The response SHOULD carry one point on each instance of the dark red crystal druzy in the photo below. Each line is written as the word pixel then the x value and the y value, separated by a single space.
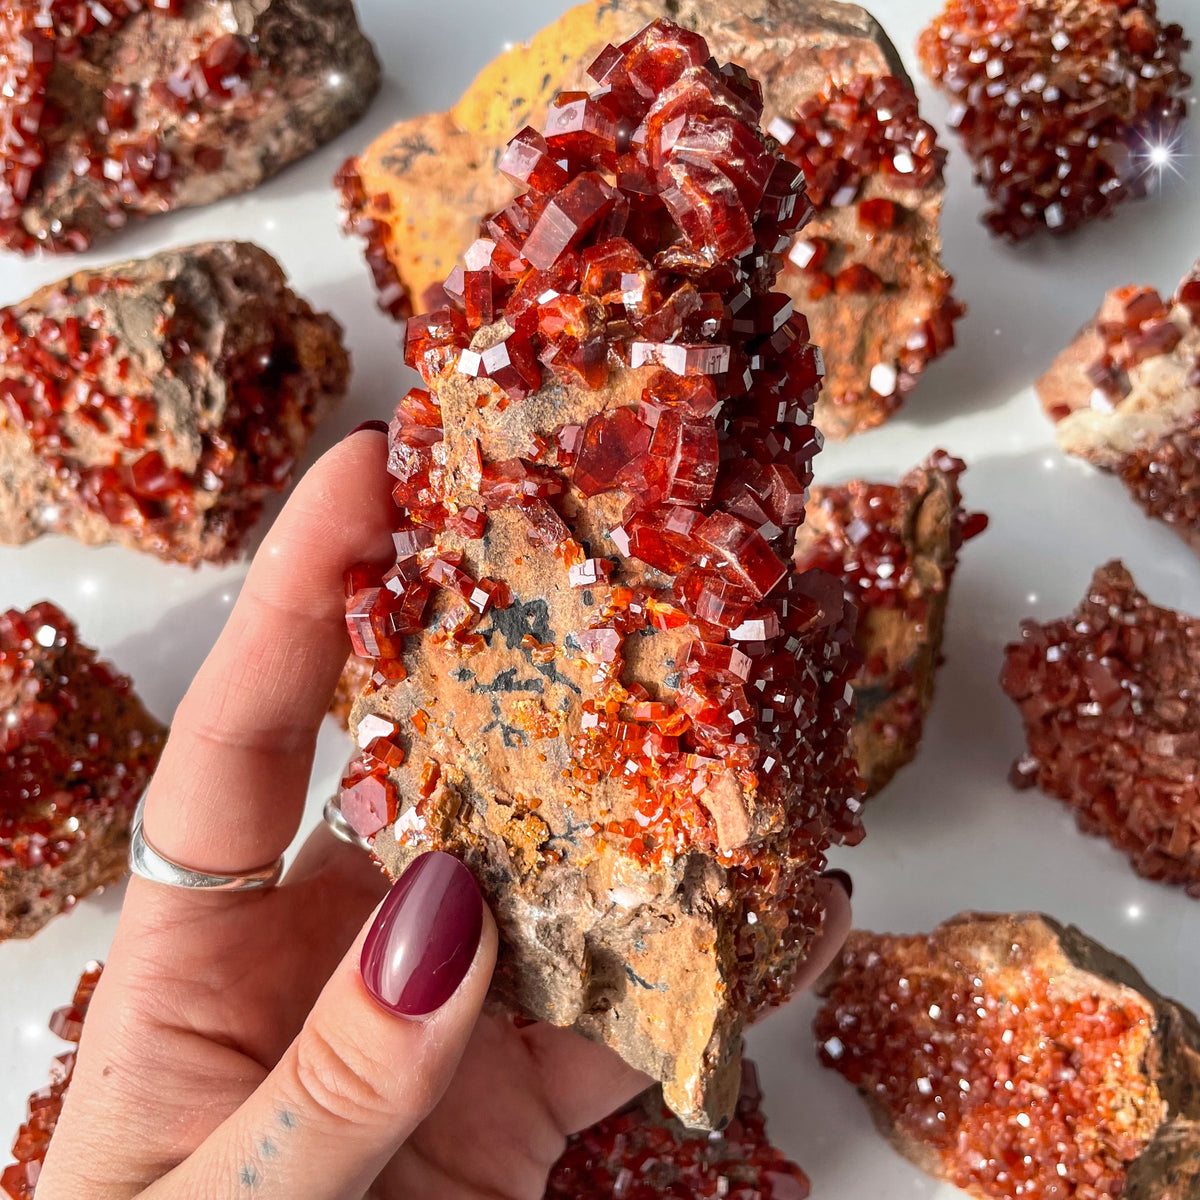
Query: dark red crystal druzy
pixel 998 1079
pixel 1110 697
pixel 74 741
pixel 18 1181
pixel 655 219
pixel 1059 105
pixel 644 1153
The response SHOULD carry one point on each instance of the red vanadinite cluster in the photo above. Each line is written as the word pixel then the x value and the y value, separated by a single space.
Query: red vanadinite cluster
pixel 19 1180
pixel 1020 1092
pixel 649 235
pixel 1111 704
pixel 1059 105
pixel 36 36
pixel 645 1154
pixel 63 382
pixel 63 752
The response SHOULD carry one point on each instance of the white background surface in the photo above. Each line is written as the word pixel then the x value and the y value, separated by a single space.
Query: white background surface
pixel 949 834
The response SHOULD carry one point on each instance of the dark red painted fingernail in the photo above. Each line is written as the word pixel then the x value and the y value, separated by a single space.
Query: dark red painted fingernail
pixel 374 426
pixel 424 938
pixel 842 878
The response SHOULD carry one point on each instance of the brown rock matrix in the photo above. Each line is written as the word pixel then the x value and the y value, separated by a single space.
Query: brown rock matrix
pixel 644 1153
pixel 896 548
pixel 77 749
pixel 158 403
pixel 1014 1057
pixel 1111 708
pixel 868 271
pixel 1126 397
pixel 1060 103
pixel 115 109
pixel 18 1181
pixel 622 708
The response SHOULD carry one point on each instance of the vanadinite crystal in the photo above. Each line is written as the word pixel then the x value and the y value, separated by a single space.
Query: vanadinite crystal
pixel 112 109
pixel 158 403
pixel 644 1153
pixel 868 267
pixel 18 1181
pixel 620 684
pixel 76 752
pixel 1125 396
pixel 896 548
pixel 1064 107
pixel 1110 697
pixel 867 271
pixel 1018 1059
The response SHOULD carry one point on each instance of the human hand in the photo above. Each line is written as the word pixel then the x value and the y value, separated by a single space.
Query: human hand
pixel 241 1044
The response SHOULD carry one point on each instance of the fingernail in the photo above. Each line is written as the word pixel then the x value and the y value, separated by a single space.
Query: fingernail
pixel 843 878
pixel 375 426
pixel 424 938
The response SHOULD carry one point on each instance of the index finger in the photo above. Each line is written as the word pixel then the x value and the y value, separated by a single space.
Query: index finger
pixel 230 788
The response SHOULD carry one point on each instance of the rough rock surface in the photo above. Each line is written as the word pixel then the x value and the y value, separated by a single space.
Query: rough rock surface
pixel 1110 698
pixel 417 193
pixel 157 403
pixel 1126 397
pixel 1014 1057
pixel 644 1153
pixel 76 751
pixel 896 547
pixel 115 109
pixel 621 708
pixel 18 1181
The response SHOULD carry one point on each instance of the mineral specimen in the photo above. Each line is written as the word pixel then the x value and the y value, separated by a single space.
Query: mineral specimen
pixel 1014 1057
pixel 1066 107
pixel 113 109
pixel 622 707
pixel 158 403
pixel 19 1180
pixel 1126 396
pixel 1111 708
pixel 643 1153
pixel 896 547
pixel 76 751
pixel 867 271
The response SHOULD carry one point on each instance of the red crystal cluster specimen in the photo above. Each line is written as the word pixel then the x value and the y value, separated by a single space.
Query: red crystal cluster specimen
pixel 76 752
pixel 989 1066
pixel 1109 701
pixel 87 159
pixel 18 1181
pixel 651 231
pixel 1060 106
pixel 896 549
pixel 392 296
pixel 644 1153
pixel 74 388
pixel 882 306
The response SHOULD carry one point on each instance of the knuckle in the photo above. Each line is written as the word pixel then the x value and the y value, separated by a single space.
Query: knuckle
pixel 341 1082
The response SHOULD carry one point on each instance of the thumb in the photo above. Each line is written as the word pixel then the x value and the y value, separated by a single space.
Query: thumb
pixel 373 1059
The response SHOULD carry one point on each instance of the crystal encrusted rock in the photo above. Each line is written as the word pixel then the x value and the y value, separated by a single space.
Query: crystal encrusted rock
pixel 18 1181
pixel 1063 107
pixel 896 548
pixel 1015 1058
pixel 622 707
pixel 76 752
pixel 644 1153
pixel 867 271
pixel 1125 395
pixel 158 403
pixel 1111 708
pixel 117 109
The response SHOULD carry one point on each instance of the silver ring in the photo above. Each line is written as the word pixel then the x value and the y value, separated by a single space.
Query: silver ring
pixel 145 861
pixel 341 828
